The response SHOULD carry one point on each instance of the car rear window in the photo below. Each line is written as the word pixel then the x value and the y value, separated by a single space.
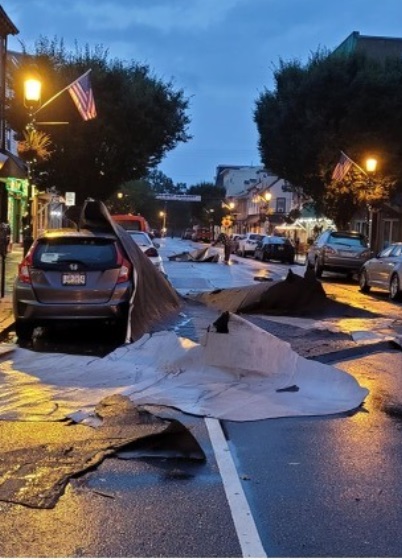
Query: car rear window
pixel 141 239
pixel 91 252
pixel 276 240
pixel 350 240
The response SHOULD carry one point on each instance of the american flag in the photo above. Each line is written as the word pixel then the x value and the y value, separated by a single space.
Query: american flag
pixel 342 167
pixel 83 97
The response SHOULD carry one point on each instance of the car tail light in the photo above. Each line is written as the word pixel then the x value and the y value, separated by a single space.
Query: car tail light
pixel 24 268
pixel 151 252
pixel 125 267
pixel 329 250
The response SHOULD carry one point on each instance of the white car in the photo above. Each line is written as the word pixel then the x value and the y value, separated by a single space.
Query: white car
pixel 248 243
pixel 148 247
pixel 384 271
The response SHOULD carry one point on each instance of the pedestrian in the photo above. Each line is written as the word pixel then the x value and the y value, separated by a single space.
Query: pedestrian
pixel 297 245
pixel 224 240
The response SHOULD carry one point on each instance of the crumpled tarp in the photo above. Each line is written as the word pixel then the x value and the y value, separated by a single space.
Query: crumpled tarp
pixel 37 474
pixel 295 296
pixel 207 254
pixel 241 375
pixel 154 299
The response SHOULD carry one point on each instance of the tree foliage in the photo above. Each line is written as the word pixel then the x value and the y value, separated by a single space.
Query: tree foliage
pixel 350 103
pixel 210 208
pixel 139 120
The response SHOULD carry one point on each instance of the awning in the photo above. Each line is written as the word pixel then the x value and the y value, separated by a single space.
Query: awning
pixel 291 227
pixel 13 166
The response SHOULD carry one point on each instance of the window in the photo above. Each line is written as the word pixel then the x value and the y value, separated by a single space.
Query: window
pixel 52 252
pixel 396 251
pixel 281 205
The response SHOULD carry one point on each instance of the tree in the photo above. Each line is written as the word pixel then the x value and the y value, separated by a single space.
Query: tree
pixel 350 103
pixel 210 207
pixel 139 119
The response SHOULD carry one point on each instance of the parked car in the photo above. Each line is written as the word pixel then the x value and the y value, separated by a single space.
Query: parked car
pixel 338 251
pixel 273 247
pixel 384 271
pixel 148 247
pixel 188 233
pixel 248 243
pixel 202 234
pixel 70 275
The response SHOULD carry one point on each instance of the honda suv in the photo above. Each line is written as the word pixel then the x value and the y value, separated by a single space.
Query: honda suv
pixel 338 251
pixel 71 275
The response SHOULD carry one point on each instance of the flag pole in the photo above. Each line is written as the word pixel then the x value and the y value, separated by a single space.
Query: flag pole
pixel 60 92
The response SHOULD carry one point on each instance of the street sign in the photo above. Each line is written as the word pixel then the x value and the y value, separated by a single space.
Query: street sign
pixel 182 197
pixel 70 198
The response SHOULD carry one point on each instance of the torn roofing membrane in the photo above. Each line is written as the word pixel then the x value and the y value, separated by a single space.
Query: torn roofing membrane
pixel 230 376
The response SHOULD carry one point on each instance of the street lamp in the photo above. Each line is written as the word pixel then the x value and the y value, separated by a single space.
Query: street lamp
pixel 32 100
pixel 371 166
pixel 162 214
pixel 265 199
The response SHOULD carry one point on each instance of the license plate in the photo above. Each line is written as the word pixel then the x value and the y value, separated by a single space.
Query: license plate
pixel 73 279
pixel 346 254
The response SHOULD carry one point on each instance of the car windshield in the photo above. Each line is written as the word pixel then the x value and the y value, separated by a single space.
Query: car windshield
pixel 100 252
pixel 350 241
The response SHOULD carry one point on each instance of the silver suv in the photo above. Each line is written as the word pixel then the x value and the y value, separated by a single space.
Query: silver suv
pixel 71 275
pixel 338 251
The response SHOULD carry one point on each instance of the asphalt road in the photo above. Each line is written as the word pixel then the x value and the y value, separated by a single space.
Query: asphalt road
pixel 315 487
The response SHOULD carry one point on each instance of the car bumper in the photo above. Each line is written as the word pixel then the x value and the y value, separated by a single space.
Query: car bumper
pixel 27 308
pixel 343 264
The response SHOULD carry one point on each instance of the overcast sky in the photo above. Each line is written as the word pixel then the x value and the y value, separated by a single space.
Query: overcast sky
pixel 220 52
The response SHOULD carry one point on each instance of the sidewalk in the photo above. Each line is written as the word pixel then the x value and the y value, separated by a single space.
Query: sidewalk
pixel 11 266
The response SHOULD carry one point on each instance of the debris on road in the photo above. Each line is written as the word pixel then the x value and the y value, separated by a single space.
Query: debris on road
pixel 37 475
pixel 207 254
pixel 296 296
pixel 233 374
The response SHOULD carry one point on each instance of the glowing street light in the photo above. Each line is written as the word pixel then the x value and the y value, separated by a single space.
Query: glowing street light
pixel 32 92
pixel 162 215
pixel 371 166
pixel 32 100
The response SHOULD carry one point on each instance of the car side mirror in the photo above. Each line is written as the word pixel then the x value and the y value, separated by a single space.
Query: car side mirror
pixel 156 245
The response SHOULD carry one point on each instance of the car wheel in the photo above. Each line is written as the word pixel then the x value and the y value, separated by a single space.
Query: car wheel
pixel 318 269
pixel 363 282
pixel 394 288
pixel 24 330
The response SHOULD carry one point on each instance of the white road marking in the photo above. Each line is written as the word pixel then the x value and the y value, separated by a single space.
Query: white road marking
pixel 246 530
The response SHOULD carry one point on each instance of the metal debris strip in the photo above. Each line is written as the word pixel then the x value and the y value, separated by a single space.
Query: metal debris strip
pixel 36 475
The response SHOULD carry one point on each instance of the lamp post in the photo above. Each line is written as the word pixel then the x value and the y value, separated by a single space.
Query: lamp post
pixel 371 166
pixel 32 100
pixel 162 214
pixel 264 208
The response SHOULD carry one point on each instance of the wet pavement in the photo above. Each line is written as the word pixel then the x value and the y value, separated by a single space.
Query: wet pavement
pixel 319 487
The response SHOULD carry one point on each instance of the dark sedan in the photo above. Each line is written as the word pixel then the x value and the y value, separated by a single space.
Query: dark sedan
pixel 276 248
